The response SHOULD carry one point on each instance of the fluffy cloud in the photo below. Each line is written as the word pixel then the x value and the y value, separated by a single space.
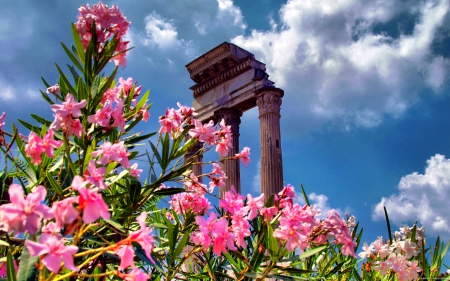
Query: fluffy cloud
pixel 320 201
pixel 422 197
pixel 353 62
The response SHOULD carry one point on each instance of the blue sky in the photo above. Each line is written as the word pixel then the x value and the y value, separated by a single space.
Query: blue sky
pixel 366 108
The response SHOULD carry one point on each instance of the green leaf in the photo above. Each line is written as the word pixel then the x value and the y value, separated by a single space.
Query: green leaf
pixel 54 184
pixel 65 82
pixel 115 225
pixel 4 243
pixel 78 43
pixel 138 138
pixel 29 126
pixel 304 195
pixel 10 271
pixel 72 57
pixel 41 120
pixel 182 244
pixel 27 266
pixel 168 191
pixel 272 244
pixel 388 226
pixel 312 252
pixel 135 188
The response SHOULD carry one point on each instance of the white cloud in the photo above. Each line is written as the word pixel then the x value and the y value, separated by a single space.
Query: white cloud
pixel 160 32
pixel 422 197
pixel 332 63
pixel 256 185
pixel 227 9
pixel 320 201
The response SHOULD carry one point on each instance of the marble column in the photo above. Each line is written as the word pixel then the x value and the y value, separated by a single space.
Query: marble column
pixel 195 156
pixel 231 168
pixel 268 100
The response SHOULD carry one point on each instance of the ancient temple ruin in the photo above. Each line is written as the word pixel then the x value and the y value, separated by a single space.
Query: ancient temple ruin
pixel 229 81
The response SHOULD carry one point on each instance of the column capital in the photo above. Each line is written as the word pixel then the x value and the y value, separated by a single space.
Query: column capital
pixel 232 118
pixel 268 100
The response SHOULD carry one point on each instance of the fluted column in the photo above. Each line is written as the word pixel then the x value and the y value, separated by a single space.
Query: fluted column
pixel 231 168
pixel 268 101
pixel 196 168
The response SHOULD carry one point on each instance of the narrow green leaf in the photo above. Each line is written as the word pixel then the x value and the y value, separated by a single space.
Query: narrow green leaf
pixel 388 225
pixel 115 225
pixel 182 244
pixel 156 153
pixel 29 126
pixel 135 188
pixel 27 266
pixel 312 252
pixel 72 57
pixel 138 138
pixel 304 195
pixel 78 43
pixel 168 191
pixel 66 82
pixel 272 244
pixel 54 184
pixel 10 271
pixel 4 243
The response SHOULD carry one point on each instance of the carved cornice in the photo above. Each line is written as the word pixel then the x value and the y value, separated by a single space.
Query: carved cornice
pixel 241 67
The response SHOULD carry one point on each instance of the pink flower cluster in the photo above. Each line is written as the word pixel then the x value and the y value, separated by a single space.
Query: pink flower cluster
pixel 110 114
pixel 173 120
pixel 206 133
pixel 36 146
pixel 109 22
pixel 66 116
pixel 193 200
pixel 219 232
pixel 298 226
pixel 396 256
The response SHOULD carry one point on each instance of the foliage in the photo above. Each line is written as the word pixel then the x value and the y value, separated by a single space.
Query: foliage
pixel 73 206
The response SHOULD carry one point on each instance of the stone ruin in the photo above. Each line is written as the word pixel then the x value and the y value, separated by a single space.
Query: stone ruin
pixel 228 82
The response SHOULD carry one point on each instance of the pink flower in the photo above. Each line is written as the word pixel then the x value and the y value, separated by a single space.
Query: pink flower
pixel 126 255
pixel 55 252
pixel 144 235
pixel 69 107
pixel 222 148
pixel 65 212
pixel 222 238
pixel 95 175
pixel 112 152
pixel 76 129
pixel 23 214
pixel 48 143
pixel 186 111
pixel 233 201
pixel 90 201
pixel 218 180
pixel 170 122
pixel 254 205
pixel 34 148
pixel 102 116
pixel 134 171
pixel 135 275
pixel 244 156
pixel 204 133
pixel 53 89
pixel 2 120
